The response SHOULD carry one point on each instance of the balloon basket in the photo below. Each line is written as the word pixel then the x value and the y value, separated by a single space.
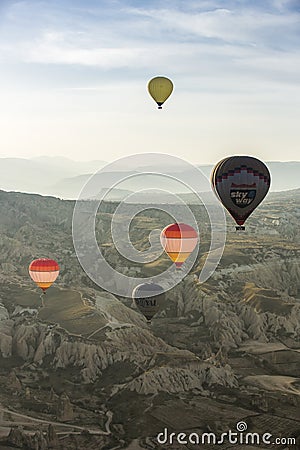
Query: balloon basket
pixel 240 228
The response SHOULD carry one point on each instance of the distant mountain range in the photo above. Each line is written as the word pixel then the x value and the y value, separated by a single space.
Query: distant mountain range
pixel 40 175
pixel 65 178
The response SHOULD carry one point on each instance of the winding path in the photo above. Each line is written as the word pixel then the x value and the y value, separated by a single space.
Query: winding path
pixel 107 431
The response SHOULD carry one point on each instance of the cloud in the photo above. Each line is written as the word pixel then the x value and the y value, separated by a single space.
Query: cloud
pixel 225 42
pixel 59 48
pixel 245 26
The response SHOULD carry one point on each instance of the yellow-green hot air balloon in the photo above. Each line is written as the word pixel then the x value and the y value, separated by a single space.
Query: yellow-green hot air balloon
pixel 160 89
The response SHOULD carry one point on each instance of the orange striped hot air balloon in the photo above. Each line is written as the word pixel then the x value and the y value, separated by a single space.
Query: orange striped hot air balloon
pixel 178 241
pixel 44 272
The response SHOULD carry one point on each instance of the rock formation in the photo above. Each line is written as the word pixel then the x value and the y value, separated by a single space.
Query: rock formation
pixel 65 411
pixel 13 381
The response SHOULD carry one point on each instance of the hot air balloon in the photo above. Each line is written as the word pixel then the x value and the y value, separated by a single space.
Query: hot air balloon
pixel 160 88
pixel 148 298
pixel 241 183
pixel 212 177
pixel 44 272
pixel 178 241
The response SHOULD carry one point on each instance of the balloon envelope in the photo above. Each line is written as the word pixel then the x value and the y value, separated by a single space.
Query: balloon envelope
pixel 241 183
pixel 148 298
pixel 212 177
pixel 44 272
pixel 178 241
pixel 160 88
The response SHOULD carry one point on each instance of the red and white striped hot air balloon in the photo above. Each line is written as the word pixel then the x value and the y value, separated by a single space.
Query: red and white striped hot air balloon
pixel 178 241
pixel 44 272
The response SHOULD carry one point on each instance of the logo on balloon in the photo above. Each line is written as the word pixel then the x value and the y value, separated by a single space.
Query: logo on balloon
pixel 159 189
pixel 242 197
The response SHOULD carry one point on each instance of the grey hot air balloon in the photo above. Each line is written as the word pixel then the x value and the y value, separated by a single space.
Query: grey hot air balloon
pixel 148 298
pixel 241 183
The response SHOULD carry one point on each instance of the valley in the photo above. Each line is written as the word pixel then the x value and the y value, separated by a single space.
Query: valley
pixel 84 369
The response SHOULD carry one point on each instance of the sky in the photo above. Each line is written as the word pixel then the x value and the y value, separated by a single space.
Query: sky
pixel 74 75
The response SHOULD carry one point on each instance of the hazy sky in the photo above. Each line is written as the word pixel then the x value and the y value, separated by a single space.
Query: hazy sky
pixel 74 74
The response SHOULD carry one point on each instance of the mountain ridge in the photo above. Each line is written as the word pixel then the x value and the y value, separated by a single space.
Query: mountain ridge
pixel 64 178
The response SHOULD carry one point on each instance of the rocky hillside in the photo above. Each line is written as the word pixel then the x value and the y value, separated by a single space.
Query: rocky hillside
pixel 87 364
